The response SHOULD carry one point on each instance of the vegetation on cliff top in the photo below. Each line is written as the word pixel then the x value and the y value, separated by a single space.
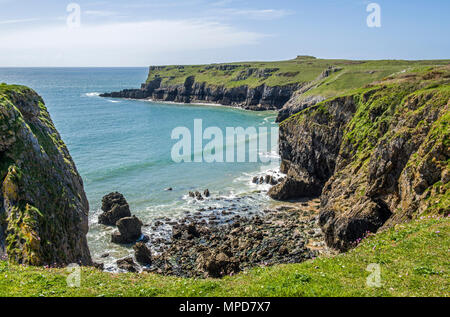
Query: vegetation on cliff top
pixel 342 76
pixel 413 259
pixel 389 160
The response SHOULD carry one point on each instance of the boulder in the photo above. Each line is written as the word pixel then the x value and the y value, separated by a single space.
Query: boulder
pixel 142 253
pixel 206 193
pixel 291 188
pixel 129 230
pixel 115 207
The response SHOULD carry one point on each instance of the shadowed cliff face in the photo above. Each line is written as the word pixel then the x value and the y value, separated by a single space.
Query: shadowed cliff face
pixel 43 207
pixel 259 98
pixel 377 157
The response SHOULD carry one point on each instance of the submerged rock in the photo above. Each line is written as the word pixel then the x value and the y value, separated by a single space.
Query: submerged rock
pixel 115 207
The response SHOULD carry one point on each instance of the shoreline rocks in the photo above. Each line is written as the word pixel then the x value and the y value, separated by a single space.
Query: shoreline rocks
pixel 200 249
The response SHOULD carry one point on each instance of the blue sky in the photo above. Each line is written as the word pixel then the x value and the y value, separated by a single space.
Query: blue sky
pixel 141 33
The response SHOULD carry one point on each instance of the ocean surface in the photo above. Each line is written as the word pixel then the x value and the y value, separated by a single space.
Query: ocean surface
pixel 125 146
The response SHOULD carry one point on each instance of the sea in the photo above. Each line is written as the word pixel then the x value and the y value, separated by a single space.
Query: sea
pixel 126 146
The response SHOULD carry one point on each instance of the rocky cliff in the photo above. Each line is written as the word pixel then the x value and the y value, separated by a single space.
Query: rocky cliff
pixel 258 98
pixel 376 156
pixel 289 86
pixel 43 207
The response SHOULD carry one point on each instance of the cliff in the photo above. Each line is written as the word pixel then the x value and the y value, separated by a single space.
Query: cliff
pixel 259 98
pixel 376 156
pixel 289 86
pixel 43 207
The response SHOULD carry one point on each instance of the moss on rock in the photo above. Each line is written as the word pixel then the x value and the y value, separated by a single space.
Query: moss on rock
pixel 43 203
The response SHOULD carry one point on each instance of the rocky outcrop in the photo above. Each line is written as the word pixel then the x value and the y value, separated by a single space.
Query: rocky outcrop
pixel 377 157
pixel 114 207
pixel 142 253
pixel 263 97
pixel 129 230
pixel 43 206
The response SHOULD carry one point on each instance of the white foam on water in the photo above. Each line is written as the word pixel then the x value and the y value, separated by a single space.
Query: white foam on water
pixel 92 94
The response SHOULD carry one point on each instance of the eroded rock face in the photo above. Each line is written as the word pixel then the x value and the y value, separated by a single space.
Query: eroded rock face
pixel 115 207
pixel 43 206
pixel 376 157
pixel 259 98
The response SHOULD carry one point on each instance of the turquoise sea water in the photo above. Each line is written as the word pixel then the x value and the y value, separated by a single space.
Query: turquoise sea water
pixel 125 145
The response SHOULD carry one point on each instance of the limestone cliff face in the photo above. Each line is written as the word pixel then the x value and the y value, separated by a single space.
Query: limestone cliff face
pixel 259 98
pixel 377 157
pixel 43 207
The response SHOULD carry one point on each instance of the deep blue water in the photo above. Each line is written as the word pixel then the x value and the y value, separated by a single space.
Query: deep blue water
pixel 125 145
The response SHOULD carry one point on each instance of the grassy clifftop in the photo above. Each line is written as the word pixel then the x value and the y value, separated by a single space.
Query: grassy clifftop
pixel 342 74
pixel 413 261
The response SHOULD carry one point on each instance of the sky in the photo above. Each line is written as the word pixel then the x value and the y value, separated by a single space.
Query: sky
pixel 48 33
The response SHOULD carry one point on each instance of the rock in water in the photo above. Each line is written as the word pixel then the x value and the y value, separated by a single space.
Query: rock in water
pixel 115 207
pixel 198 196
pixel 142 253
pixel 42 193
pixel 129 230
pixel 206 193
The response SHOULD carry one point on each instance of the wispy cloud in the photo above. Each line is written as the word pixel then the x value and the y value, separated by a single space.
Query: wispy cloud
pixel 18 21
pixel 100 13
pixel 264 14
pixel 116 44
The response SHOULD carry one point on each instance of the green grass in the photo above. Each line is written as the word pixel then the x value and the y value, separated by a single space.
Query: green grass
pixel 351 74
pixel 413 259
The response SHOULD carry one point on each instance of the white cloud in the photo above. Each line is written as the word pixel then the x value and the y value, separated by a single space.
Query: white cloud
pixel 17 21
pixel 119 44
pixel 100 13
pixel 265 14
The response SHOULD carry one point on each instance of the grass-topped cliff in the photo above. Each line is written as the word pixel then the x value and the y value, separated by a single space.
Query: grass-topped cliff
pixel 266 85
pixel 377 155
pixel 413 261
pixel 301 70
